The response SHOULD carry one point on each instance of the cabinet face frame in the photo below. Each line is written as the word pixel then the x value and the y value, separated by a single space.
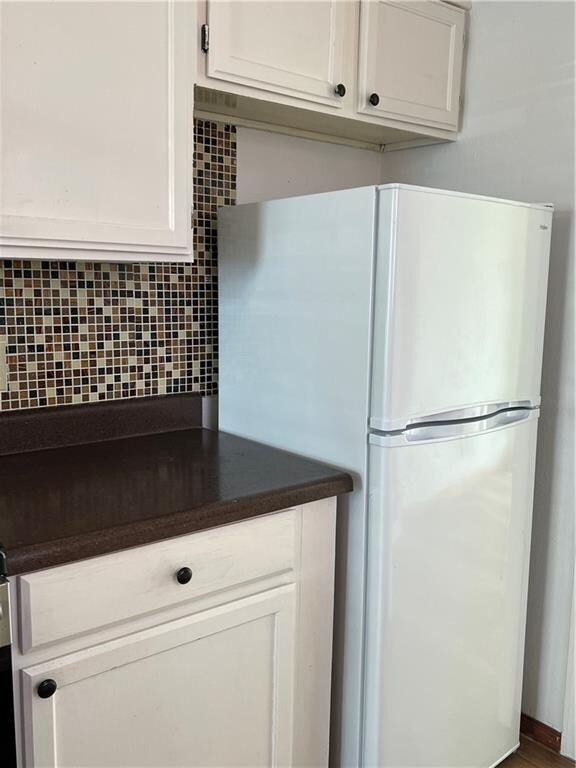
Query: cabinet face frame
pixel 221 66
pixel 40 714
pixel 391 107
pixel 64 238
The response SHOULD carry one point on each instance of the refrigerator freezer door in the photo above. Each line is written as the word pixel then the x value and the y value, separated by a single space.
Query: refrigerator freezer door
pixel 459 304
pixel 448 551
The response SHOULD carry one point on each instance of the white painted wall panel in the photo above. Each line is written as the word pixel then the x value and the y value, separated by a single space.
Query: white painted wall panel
pixel 271 166
pixel 568 745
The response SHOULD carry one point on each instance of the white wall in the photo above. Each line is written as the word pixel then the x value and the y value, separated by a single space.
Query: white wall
pixel 271 166
pixel 568 745
pixel 518 142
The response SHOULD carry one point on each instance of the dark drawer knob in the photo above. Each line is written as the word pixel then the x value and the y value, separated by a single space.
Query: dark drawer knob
pixel 340 90
pixel 374 99
pixel 184 575
pixel 47 688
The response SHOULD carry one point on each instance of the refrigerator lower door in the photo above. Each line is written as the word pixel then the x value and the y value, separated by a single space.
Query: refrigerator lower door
pixel 448 550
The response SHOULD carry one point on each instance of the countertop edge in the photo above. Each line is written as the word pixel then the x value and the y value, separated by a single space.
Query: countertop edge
pixel 68 550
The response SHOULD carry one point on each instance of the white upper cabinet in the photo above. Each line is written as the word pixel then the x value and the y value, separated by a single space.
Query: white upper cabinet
pixel 96 129
pixel 410 61
pixel 291 48
pixel 376 71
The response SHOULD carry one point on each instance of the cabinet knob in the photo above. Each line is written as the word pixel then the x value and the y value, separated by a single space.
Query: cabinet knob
pixel 47 688
pixel 184 575
pixel 340 90
pixel 374 99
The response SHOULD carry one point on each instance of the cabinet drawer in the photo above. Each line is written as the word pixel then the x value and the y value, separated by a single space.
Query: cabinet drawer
pixel 81 597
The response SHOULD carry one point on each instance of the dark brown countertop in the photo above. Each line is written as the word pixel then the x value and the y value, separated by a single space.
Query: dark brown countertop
pixel 65 504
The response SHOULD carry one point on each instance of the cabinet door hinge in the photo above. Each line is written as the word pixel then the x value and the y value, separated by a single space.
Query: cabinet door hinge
pixel 205 38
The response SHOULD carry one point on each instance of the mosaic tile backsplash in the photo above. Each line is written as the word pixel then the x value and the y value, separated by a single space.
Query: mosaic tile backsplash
pixel 80 332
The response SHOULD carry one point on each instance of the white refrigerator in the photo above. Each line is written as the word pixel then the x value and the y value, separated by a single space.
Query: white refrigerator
pixel 397 332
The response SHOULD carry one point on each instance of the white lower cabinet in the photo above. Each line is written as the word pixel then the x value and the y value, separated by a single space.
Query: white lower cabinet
pixel 238 677
pixel 211 689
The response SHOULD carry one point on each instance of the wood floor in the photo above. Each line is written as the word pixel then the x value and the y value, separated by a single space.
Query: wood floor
pixel 532 755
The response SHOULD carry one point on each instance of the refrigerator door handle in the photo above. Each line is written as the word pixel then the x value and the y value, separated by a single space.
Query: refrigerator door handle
pixel 451 430
pixel 483 411
pixel 467 413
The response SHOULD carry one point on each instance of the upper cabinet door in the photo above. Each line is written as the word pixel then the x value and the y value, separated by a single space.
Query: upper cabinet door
pixel 292 49
pixel 410 64
pixel 97 125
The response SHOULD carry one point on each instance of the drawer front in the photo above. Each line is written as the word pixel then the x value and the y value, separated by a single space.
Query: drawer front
pixel 86 596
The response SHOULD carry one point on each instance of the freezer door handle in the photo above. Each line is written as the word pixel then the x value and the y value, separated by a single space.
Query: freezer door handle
pixel 450 430
pixel 457 414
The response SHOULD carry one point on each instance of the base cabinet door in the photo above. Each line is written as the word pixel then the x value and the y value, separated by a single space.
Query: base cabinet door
pixel 410 61
pixel 212 689
pixel 291 49
pixel 96 128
